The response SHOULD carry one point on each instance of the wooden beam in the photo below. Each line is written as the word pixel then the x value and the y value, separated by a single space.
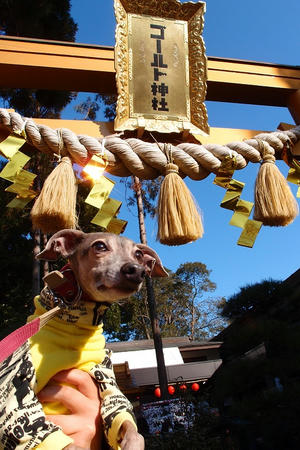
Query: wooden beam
pixel 220 136
pixel 87 127
pixel 251 82
pixel 35 63
pixel 40 64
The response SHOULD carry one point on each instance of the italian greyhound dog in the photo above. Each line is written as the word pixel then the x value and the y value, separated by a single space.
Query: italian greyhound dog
pixel 102 268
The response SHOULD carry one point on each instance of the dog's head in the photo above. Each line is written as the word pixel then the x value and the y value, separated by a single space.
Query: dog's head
pixel 108 267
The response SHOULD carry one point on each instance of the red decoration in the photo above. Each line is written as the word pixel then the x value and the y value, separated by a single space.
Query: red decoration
pixel 157 392
pixel 171 390
pixel 195 387
pixel 183 387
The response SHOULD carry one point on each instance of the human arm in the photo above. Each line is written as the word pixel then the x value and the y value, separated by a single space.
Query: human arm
pixel 84 424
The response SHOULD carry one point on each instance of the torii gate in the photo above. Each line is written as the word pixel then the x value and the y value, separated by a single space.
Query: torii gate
pixel 41 64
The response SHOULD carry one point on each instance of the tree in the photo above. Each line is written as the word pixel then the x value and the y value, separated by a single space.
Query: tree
pixel 16 264
pixel 149 191
pixel 251 297
pixel 135 311
pixel 90 106
pixel 202 314
pixel 181 306
pixel 45 19
pixel 262 386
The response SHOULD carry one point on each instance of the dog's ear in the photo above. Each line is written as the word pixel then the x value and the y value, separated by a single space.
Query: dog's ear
pixel 152 262
pixel 63 243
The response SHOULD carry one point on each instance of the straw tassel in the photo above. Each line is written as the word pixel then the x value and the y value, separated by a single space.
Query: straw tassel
pixel 275 204
pixel 179 221
pixel 55 208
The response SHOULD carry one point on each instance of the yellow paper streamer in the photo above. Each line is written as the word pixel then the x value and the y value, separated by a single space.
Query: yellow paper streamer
pixel 100 192
pixel 241 214
pixel 19 202
pixel 294 175
pixel 109 209
pixel 10 146
pixel 21 191
pixel 249 233
pixel 13 172
pixel 13 167
pixel 232 201
pixel 117 226
pixel 232 195
pixel 22 184
pixel 225 172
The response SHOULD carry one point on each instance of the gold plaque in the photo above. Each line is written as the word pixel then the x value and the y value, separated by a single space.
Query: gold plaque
pixel 161 66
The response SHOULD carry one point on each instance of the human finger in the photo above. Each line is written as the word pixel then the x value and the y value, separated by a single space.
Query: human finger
pixel 135 442
pixel 87 440
pixel 80 379
pixel 66 422
pixel 72 399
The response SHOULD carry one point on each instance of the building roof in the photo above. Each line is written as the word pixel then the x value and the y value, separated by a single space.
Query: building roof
pixel 293 280
pixel 189 372
pixel 146 344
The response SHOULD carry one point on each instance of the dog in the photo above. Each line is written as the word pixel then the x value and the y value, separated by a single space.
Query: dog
pixel 102 268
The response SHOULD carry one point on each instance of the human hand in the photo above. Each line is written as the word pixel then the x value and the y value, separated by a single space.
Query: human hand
pixel 83 424
pixel 130 439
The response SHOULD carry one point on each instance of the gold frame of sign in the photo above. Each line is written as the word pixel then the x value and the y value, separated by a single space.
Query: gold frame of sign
pixel 161 66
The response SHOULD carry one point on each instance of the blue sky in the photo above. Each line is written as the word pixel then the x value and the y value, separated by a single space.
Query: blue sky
pixel 265 31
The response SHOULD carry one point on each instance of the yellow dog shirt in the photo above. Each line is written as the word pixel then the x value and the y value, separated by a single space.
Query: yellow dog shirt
pixel 73 339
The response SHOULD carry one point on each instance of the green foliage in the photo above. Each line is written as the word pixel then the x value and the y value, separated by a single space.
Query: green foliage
pixel 202 311
pixel 132 320
pixel 262 316
pixel 91 105
pixel 88 108
pixel 16 247
pixel 250 298
pixel 180 305
pixel 36 103
pixel 272 414
pixel 109 102
pixel 196 274
pixel 242 338
pixel 149 191
pixel 43 19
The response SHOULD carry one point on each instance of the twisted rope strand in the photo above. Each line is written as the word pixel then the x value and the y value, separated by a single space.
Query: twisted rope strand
pixel 135 157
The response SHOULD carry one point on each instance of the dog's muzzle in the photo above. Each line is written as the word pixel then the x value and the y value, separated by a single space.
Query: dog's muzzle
pixel 134 273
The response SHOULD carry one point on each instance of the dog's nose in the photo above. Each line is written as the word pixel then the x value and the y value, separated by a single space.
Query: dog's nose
pixel 133 272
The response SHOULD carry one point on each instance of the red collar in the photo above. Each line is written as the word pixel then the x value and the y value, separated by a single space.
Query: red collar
pixel 70 291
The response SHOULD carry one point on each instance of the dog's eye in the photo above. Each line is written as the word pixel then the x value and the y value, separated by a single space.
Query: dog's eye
pixel 99 246
pixel 139 255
